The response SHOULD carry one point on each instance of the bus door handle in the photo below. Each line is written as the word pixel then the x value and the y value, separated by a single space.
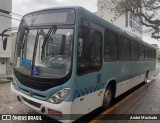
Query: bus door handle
pixel 98 78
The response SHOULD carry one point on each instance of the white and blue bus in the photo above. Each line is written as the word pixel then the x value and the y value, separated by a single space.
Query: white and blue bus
pixel 70 61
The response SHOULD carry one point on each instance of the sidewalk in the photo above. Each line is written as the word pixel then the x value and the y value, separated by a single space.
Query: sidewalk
pixel 145 100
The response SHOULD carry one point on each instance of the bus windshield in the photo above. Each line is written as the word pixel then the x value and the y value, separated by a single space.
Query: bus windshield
pixel 44 52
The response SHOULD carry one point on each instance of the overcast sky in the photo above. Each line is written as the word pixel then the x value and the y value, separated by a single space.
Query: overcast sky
pixel 25 6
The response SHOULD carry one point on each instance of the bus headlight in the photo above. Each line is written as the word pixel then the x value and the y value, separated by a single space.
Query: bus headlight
pixel 59 96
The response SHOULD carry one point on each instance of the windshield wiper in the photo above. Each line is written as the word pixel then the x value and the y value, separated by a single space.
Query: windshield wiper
pixel 52 30
pixel 26 31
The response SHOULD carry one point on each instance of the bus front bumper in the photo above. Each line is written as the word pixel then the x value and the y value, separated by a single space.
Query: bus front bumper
pixel 56 111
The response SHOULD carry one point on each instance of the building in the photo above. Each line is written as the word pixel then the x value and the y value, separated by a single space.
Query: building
pixel 126 22
pixel 5 22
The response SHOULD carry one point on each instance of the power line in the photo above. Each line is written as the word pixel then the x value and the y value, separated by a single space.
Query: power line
pixel 10 17
pixel 4 11
pixel 16 14
pixel 8 12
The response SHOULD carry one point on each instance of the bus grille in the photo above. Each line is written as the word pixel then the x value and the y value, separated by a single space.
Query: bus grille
pixel 32 103
pixel 41 86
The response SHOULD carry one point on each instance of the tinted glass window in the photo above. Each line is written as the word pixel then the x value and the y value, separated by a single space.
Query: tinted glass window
pixel 150 54
pixel 124 49
pixel 89 50
pixel 141 52
pixel 146 54
pixel 153 54
pixel 110 46
pixel 134 50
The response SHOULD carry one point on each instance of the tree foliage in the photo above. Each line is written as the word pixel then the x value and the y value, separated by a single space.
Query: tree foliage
pixel 147 10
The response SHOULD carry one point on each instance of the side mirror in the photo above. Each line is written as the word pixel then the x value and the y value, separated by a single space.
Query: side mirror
pixel 5 44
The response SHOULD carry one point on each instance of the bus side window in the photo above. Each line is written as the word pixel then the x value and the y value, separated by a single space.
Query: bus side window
pixel 80 47
pixel 134 51
pixel 110 46
pixel 89 50
pixel 154 55
pixel 146 54
pixel 124 49
pixel 141 52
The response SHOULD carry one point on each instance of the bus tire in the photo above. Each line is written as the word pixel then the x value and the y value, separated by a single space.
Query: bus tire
pixel 108 96
pixel 146 77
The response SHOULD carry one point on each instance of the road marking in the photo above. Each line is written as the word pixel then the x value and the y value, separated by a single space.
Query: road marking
pixel 99 117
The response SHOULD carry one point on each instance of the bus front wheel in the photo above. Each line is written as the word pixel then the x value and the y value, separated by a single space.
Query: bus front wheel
pixel 107 100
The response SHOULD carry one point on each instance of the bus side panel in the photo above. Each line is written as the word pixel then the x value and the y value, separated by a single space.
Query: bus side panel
pixel 128 74
pixel 88 94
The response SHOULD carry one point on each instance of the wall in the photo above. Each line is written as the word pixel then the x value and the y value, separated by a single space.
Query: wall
pixel 5 22
pixel 11 59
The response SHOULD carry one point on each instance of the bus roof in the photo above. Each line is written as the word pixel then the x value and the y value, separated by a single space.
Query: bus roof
pixel 100 21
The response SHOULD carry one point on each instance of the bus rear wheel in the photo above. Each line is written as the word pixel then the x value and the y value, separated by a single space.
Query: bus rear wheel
pixel 107 100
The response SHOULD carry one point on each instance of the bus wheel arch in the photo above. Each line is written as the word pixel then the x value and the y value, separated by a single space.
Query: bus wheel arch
pixel 109 94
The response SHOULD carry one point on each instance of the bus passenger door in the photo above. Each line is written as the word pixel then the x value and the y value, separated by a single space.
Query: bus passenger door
pixel 89 62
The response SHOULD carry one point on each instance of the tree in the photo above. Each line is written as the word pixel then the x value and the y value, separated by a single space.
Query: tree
pixel 147 10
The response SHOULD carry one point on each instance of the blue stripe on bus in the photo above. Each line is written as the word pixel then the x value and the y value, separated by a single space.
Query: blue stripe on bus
pixel 84 91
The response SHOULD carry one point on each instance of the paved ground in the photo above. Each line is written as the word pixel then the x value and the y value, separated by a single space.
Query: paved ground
pixel 144 101
pixel 9 105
